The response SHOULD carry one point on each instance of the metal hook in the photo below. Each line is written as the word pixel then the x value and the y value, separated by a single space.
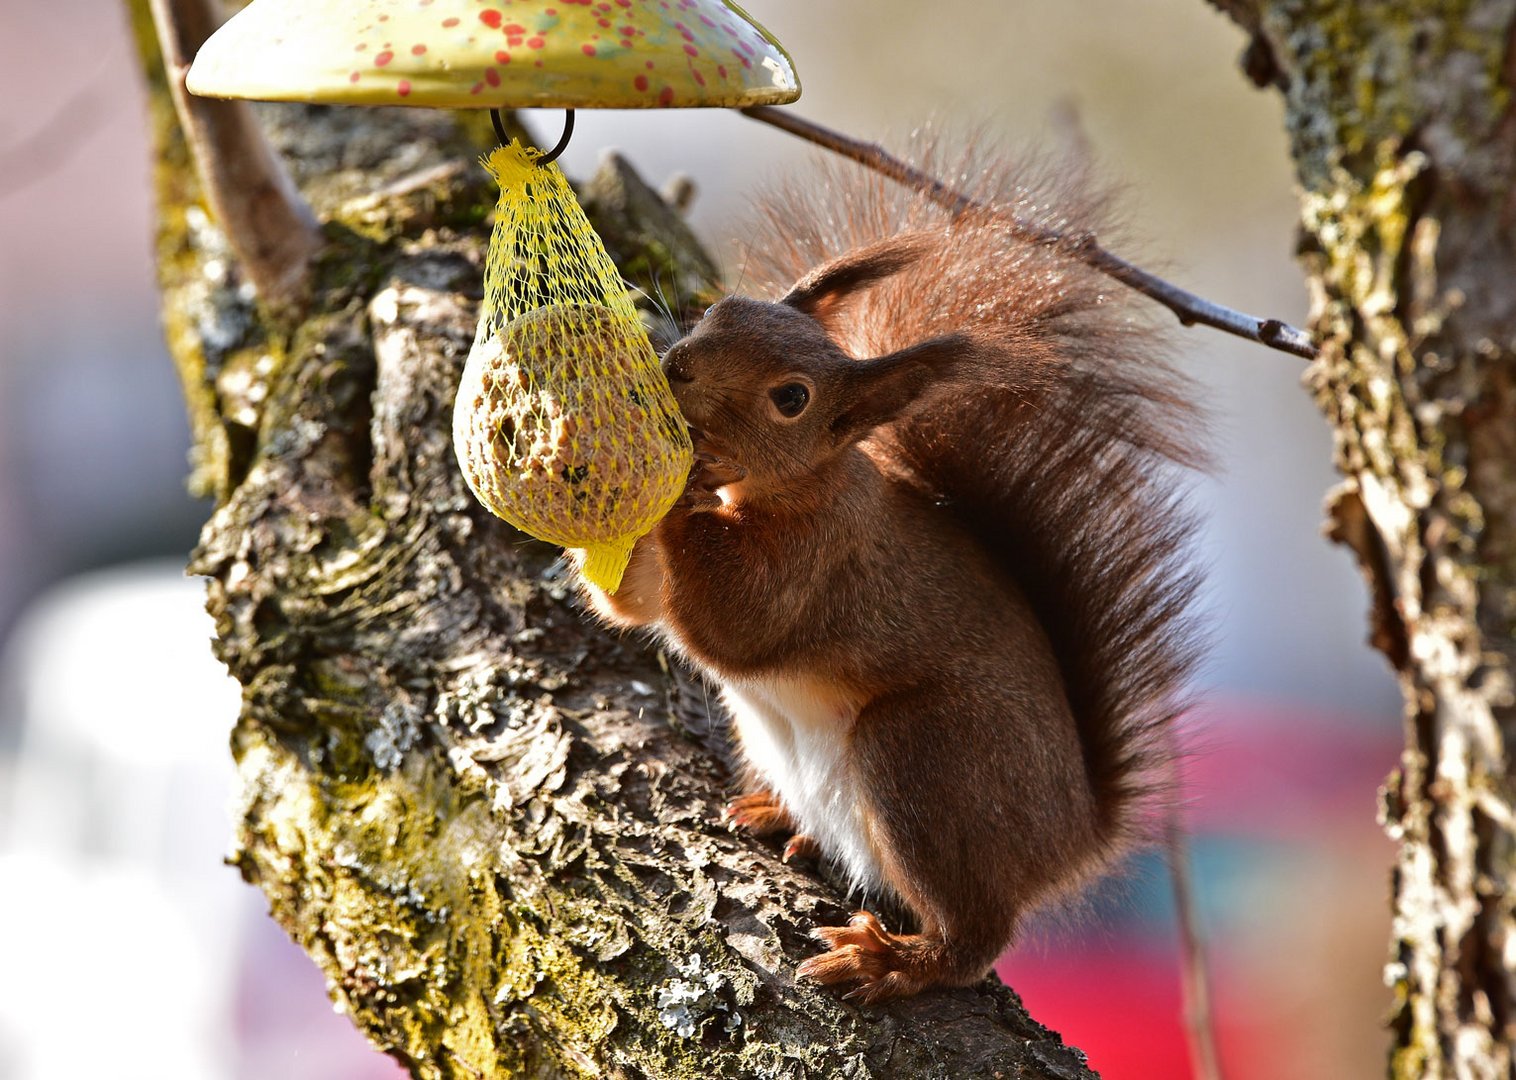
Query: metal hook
pixel 563 140
pixel 551 155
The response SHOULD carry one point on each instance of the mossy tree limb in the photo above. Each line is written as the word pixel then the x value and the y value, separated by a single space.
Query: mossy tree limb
pixel 1403 132
pixel 492 824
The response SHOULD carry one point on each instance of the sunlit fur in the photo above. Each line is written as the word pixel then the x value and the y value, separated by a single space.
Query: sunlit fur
pixel 948 602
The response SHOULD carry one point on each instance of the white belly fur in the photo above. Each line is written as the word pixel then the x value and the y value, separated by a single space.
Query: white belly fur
pixel 794 734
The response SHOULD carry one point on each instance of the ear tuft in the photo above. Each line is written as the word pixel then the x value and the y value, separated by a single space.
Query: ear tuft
pixel 824 291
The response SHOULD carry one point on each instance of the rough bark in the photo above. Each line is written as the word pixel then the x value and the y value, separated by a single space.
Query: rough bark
pixel 492 824
pixel 1404 137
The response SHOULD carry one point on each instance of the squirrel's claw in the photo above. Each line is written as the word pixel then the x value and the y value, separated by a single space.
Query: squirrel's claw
pixel 759 813
pixel 762 814
pixel 801 847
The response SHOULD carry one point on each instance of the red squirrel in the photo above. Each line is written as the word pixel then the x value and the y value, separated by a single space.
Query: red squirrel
pixel 934 554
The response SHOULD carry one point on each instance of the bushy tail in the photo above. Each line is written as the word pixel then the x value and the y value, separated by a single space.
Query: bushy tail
pixel 1068 469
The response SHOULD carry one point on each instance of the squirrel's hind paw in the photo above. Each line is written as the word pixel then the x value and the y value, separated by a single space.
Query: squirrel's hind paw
pixel 883 965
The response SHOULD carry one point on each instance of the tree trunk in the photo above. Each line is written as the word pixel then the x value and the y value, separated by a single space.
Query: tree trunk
pixel 1404 137
pixel 492 824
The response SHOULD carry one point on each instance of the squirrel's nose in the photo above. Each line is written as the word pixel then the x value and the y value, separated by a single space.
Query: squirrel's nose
pixel 676 364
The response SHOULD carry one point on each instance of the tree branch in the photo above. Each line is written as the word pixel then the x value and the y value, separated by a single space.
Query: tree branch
pixel 1405 152
pixel 483 817
pixel 1189 308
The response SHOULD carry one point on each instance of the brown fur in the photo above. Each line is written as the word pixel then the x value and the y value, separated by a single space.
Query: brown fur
pixel 970 541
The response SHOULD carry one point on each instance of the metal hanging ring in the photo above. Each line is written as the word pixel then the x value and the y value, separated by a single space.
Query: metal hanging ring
pixel 551 155
pixel 563 140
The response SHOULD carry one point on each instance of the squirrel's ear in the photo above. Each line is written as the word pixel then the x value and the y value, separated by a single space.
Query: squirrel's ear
pixel 824 290
pixel 885 387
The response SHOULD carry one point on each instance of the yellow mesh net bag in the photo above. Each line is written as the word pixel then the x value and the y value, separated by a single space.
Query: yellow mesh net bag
pixel 564 424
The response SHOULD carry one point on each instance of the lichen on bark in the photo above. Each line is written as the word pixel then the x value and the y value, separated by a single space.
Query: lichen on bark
pixel 490 823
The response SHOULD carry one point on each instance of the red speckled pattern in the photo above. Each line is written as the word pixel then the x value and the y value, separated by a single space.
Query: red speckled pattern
pixel 496 53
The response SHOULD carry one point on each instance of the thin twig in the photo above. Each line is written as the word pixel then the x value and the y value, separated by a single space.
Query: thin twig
pixel 1194 978
pixel 58 138
pixel 265 218
pixel 1189 308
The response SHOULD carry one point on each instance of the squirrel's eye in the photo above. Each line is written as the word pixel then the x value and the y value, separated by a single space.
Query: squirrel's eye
pixel 790 399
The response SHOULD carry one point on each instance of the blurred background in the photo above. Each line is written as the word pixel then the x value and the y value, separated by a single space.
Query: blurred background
pixel 117 917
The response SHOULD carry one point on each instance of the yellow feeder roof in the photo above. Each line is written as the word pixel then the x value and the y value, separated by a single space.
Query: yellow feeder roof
pixel 610 54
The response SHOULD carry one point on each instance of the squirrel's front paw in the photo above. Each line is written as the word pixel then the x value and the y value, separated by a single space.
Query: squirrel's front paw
pixel 759 813
pixel 708 475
